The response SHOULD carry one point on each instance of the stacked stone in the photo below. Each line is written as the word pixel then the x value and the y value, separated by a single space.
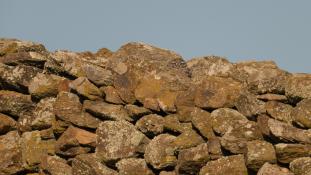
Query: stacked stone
pixel 143 110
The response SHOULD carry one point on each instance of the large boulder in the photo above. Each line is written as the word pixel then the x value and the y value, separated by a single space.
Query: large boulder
pixel 85 88
pixel 301 114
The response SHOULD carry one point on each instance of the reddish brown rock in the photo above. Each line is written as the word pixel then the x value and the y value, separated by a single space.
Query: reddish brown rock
pixel 133 166
pixel 214 148
pixel 43 114
pixel 6 124
pixel 272 97
pixel 187 139
pixel 151 124
pixel 301 166
pixel 280 111
pixel 202 121
pixel 171 123
pixel 301 114
pixel 111 95
pixel 272 169
pixel 298 86
pixel 136 112
pixel 55 165
pixel 8 46
pixel 287 152
pixel 248 105
pixel 85 88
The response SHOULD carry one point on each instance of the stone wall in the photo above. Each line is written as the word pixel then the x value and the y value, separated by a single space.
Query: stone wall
pixel 143 110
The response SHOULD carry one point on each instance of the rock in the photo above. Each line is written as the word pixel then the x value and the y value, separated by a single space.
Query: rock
pixel 248 105
pixel 11 156
pixel 68 108
pixel 87 164
pixel 191 160
pixel 217 92
pixel 231 165
pixel 6 124
pixel 272 97
pixel 279 111
pixel 34 149
pixel 261 76
pixel 125 85
pixel 45 85
pixel 106 111
pixel 117 140
pixel 235 139
pixel 133 166
pixel 203 67
pixel 15 104
pixel 258 152
pixel 8 46
pixel 262 122
pixel 287 152
pixel 224 119
pixel 301 166
pixel 28 58
pixel 214 148
pixel 167 173
pixel 75 141
pixel 288 133
pixel 298 86
pixel 171 123
pixel 187 139
pixel 136 112
pixel 43 114
pixel 85 88
pixel 55 165
pixel 160 152
pixel 202 121
pixel 111 95
pixel 301 114
pixel 17 77
pixel 151 124
pixel 272 169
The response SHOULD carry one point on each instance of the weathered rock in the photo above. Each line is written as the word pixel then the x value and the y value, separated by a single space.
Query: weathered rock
pixel 262 122
pixel 214 148
pixel 298 86
pixel 272 97
pixel 55 165
pixel 288 152
pixel 301 114
pixel 248 105
pixel 217 92
pixel 289 133
pixel 71 141
pixel 160 151
pixel 202 121
pixel 167 173
pixel 279 111
pixel 18 77
pixel 258 152
pixel 8 46
pixel 203 67
pixel 171 123
pixel 151 124
pixel 191 160
pixel 106 111
pixel 187 139
pixel 125 85
pixel 6 124
pixel 68 108
pixel 11 156
pixel 133 166
pixel 272 169
pixel 87 164
pixel 85 88
pixel 301 166
pixel 231 165
pixel 136 112
pixel 117 140
pixel 261 76
pixel 34 149
pixel 111 95
pixel 15 104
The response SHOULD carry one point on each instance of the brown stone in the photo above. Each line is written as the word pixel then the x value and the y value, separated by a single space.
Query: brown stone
pixel 133 166
pixel 287 152
pixel 43 114
pixel 272 97
pixel 279 111
pixel 171 123
pixel 8 46
pixel 230 165
pixel 151 124
pixel 301 114
pixel 202 121
pixel 55 165
pixel 136 112
pixel 111 95
pixel 6 124
pixel 214 148
pixel 272 169
pixel 301 166
pixel 187 139
pixel 262 122
pixel 85 88
pixel 298 86
pixel 248 105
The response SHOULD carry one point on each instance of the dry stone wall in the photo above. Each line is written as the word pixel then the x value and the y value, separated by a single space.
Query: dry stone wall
pixel 143 110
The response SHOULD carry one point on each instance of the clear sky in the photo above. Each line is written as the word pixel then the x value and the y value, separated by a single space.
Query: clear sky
pixel 237 29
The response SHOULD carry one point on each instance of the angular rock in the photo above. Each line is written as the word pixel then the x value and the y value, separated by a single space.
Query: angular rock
pixel 279 111
pixel 289 133
pixel 258 152
pixel 191 160
pixel 160 152
pixel 262 122
pixel 87 164
pixel 85 88
pixel 301 114
pixel 301 166
pixel 167 173
pixel 272 97
pixel 136 112
pixel 272 169
pixel 34 149
pixel 111 95
pixel 171 123
pixel 18 77
pixel 125 85
pixel 289 152
pixel 202 121
pixel 6 124
pixel 214 148
pixel 15 104
pixel 230 165
pixel 151 124
pixel 11 156
pixel 133 166
pixel 117 140
pixel 43 114
pixel 29 58
pixel 55 165
pixel 248 105
pixel 68 108
pixel 45 85
pixel 217 92
pixel 71 141
pixel 106 111
pixel 8 46
pixel 298 86
pixel 187 139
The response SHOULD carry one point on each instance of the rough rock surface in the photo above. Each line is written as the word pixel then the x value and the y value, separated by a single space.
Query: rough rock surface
pixel 143 110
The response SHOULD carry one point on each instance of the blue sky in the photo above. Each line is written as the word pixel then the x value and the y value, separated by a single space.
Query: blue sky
pixel 239 29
